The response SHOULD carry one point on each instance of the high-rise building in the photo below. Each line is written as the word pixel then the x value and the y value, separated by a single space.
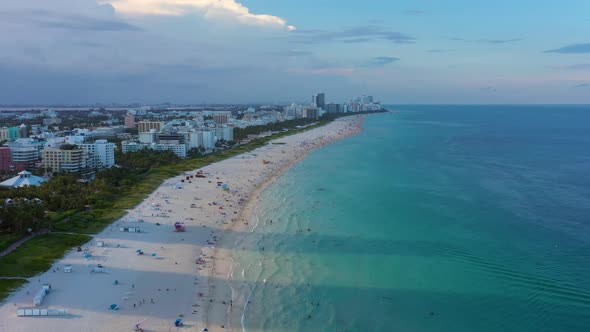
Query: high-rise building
pixel 22 131
pixel 148 137
pixel 333 108
pixel 178 149
pixel 171 138
pixel 208 139
pixel 129 120
pixel 221 118
pixel 195 139
pixel 4 134
pixel 24 157
pixel 58 160
pixel 10 134
pixel 5 158
pixel 146 126
pixel 321 100
pixel 100 154
pixel 311 113
pixel 24 153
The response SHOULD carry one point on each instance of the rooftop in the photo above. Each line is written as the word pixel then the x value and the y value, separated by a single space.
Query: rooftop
pixel 23 178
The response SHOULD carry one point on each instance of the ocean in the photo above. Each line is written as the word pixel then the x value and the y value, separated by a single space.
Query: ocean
pixel 434 218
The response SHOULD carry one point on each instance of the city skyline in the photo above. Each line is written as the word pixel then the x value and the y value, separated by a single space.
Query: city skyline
pixel 247 51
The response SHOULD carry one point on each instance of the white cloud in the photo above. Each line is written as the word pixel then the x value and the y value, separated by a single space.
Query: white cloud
pixel 230 9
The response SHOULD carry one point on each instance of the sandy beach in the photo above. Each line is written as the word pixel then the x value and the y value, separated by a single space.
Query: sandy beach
pixel 158 274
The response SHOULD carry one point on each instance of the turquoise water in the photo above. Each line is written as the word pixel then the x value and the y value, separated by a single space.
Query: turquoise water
pixel 435 218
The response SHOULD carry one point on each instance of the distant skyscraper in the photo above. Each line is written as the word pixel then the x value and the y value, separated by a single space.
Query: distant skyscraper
pixel 311 113
pixel 333 108
pixel 130 120
pixel 321 100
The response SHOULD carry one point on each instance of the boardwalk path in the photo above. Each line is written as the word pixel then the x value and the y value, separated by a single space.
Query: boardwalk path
pixel 17 244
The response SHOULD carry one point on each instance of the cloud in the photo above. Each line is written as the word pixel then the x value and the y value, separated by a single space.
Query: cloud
pixel 48 19
pixel 499 41
pixel 488 89
pixel 358 34
pixel 488 41
pixel 357 40
pixel 577 66
pixel 416 12
pixel 582 85
pixel 230 9
pixel 293 53
pixel 381 61
pixel 572 49
pixel 344 71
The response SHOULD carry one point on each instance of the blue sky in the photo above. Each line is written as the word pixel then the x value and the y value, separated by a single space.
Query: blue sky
pixel 280 51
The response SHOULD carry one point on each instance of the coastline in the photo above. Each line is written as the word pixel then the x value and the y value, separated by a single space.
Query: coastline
pixel 167 275
pixel 222 286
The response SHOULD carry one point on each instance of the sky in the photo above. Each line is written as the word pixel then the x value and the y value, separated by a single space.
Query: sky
pixel 283 51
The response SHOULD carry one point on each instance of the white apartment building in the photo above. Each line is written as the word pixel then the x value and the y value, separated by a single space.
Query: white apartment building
pixel 179 149
pixel 100 154
pixel 148 137
pixel 208 139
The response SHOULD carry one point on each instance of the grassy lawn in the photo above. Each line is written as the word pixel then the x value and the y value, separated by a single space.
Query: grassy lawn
pixel 37 255
pixel 8 285
pixel 7 239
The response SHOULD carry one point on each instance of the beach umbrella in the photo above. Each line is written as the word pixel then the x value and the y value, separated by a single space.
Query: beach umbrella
pixel 138 250
pixel 114 306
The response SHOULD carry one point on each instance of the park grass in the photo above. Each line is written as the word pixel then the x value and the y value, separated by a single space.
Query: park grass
pixel 9 285
pixel 6 239
pixel 38 254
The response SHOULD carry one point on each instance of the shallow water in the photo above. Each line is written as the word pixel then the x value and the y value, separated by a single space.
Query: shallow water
pixel 435 218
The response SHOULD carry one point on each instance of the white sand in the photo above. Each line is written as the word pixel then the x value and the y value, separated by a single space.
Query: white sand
pixel 177 285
